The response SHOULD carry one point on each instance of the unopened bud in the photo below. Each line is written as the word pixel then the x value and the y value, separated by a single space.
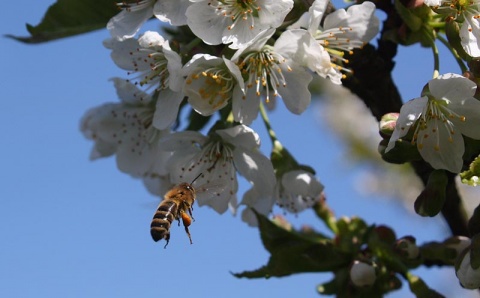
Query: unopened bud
pixel 407 247
pixel 387 124
pixel 468 277
pixel 362 274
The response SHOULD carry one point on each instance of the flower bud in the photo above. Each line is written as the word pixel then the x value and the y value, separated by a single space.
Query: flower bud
pixel 362 274
pixel 407 247
pixel 468 277
pixel 387 124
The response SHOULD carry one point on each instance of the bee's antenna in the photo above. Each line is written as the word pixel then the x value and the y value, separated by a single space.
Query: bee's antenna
pixel 196 178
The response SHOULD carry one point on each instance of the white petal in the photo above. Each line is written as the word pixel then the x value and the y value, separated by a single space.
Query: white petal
pixel 273 12
pixel 255 45
pixel 241 136
pixel 166 110
pixel 470 109
pixel 295 93
pixel 129 93
pixel 172 11
pixel 409 114
pixel 316 12
pixel 245 107
pixel 174 66
pixel 183 139
pixel 452 87
pixel 256 168
pixel 438 150
pixel 122 54
pixel 151 39
pixel 469 33
pixel 235 71
pixel 361 18
pixel 127 23
pixel 205 23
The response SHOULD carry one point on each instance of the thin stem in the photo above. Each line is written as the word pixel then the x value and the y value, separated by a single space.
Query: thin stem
pixel 454 53
pixel 436 60
pixel 266 121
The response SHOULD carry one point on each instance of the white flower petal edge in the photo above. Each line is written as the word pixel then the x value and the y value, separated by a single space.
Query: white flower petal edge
pixel 172 11
pixel 298 190
pixel 409 114
pixel 126 23
pixel 446 112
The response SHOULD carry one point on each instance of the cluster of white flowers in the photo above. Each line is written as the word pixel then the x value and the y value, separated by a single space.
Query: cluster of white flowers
pixel 467 14
pixel 264 54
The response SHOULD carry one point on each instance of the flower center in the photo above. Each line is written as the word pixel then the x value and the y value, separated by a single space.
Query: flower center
pixel 216 85
pixel 237 10
pixel 263 71
pixel 336 44
pixel 436 113
pixel 155 73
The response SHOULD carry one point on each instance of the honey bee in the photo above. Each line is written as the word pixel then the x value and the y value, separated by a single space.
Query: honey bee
pixel 177 203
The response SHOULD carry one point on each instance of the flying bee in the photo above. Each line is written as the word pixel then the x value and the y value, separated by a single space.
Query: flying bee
pixel 177 203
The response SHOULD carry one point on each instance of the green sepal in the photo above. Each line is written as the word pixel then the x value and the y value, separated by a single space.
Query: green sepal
pixel 452 31
pixel 295 252
pixel 472 175
pixel 416 19
pixel 70 17
pixel 412 21
pixel 431 199
pixel 404 151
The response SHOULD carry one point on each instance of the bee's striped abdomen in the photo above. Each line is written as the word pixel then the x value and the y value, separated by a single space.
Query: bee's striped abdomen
pixel 162 220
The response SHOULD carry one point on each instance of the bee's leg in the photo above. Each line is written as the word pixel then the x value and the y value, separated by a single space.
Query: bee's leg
pixel 167 238
pixel 190 210
pixel 187 220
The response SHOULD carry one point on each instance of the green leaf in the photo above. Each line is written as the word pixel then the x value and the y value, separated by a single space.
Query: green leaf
pixel 294 252
pixel 70 17
pixel 471 176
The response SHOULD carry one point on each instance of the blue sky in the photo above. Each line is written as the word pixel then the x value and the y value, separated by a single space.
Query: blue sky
pixel 75 228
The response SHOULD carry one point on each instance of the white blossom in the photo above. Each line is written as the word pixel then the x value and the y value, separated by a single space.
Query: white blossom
pixel 440 117
pixel 267 72
pixel 210 82
pixel 468 277
pixel 127 23
pixel 235 22
pixel 322 48
pixel 467 13
pixel 125 129
pixel 157 67
pixel 297 190
pixel 216 159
